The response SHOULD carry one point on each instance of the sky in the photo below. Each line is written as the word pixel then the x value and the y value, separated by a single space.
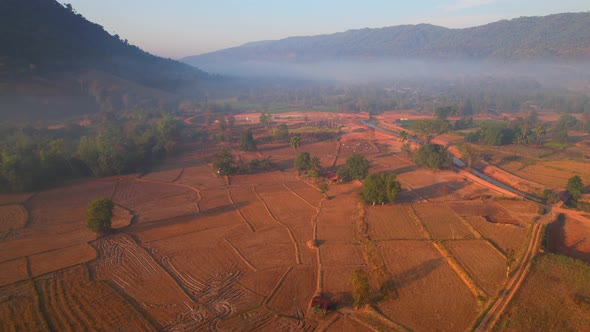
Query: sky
pixel 179 28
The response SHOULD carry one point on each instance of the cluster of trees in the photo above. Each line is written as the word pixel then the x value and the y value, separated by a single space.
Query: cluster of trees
pixel 355 168
pixel 224 164
pixel 433 156
pixel 380 188
pixel 34 158
pixel 526 130
pixel 247 142
pixel 308 165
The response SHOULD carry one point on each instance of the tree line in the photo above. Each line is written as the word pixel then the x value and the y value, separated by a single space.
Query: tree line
pixel 34 158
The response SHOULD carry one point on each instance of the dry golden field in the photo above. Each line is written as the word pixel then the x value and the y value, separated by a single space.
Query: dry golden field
pixel 191 250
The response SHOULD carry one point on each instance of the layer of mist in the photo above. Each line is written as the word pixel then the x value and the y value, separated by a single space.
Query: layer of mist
pixel 549 74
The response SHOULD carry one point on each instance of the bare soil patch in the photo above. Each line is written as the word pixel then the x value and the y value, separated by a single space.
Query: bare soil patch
pixel 431 295
pixel 391 222
pixel 266 249
pixel 19 308
pixel 72 302
pixel 201 177
pixel 336 221
pixel 13 271
pixel 341 254
pixel 60 258
pixel 570 237
pixel 295 292
pixel 14 198
pixel 283 203
pixel 337 282
pixel 441 222
pixel 504 236
pixel 251 207
pixel 66 206
pixel 483 263
pixel 131 269
pixel 170 175
pixel 32 245
pixel 262 282
pixel 12 217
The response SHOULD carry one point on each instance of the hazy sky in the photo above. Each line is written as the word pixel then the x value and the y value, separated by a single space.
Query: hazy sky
pixel 178 28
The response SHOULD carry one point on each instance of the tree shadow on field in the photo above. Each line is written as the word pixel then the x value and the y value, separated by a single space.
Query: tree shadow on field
pixel 419 272
pixel 440 189
pixel 183 219
pixel 556 241
pixel 273 147
pixel 339 300
pixel 406 169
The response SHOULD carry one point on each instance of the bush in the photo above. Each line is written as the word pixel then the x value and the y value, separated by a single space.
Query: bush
pixel 100 213
pixel 360 288
pixel 550 196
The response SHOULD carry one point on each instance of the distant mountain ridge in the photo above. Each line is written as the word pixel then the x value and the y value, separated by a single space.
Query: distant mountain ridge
pixel 552 37
pixel 54 62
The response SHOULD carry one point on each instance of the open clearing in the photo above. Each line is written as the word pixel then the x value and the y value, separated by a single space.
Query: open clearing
pixel 192 250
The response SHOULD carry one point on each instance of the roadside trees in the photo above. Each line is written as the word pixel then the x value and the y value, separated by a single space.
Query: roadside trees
pixel 433 156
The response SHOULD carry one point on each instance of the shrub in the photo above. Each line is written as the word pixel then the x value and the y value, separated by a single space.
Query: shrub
pixel 100 213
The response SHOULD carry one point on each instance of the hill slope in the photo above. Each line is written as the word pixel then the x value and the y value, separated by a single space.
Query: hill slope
pixel 553 37
pixel 54 62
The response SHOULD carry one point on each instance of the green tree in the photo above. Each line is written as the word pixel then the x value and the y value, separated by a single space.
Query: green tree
pixel 247 142
pixel 295 142
pixel 574 186
pixel 355 168
pixel 442 113
pixel 360 288
pixel 302 162
pixel 469 154
pixel 223 162
pixel 403 136
pixel 265 119
pixel 430 128
pixel 433 156
pixel 99 213
pixel 550 196
pixel 380 188
pixel 281 133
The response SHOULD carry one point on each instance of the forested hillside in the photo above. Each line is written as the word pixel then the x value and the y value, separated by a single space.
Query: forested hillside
pixel 53 63
pixel 553 37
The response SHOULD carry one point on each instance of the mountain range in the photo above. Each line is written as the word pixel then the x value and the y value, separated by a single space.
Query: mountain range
pixel 549 38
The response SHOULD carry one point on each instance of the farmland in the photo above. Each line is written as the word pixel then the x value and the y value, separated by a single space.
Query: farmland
pixel 193 250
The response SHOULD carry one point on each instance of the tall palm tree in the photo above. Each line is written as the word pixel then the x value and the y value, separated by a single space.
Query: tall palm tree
pixel 403 136
pixel 295 142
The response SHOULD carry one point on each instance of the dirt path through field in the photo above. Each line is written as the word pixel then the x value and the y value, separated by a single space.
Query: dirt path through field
pixel 491 317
